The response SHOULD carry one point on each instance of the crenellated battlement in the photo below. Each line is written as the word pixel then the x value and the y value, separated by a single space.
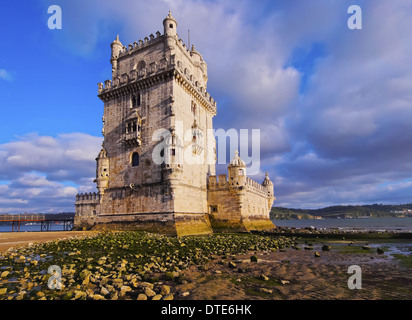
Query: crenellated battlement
pixel 87 198
pixel 138 45
pixel 255 186
pixel 220 181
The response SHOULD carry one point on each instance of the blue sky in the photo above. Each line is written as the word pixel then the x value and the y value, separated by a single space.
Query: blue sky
pixel 334 105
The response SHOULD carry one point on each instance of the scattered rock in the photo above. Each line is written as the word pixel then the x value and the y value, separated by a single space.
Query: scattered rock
pixel 104 291
pixel 380 251
pixel 142 296
pixel 317 254
pixel 157 297
pixel 4 274
pixel 3 291
pixel 284 282
pixel 265 290
pixel 253 259
pixel 147 285
pixel 326 248
pixel 149 292
pixel 165 290
pixel 232 265
pixel 264 277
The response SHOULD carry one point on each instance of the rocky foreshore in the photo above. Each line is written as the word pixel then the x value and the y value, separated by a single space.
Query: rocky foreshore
pixel 275 264
pixel 122 265
pixel 336 233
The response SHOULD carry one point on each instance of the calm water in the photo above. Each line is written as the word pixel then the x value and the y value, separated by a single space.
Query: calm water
pixel 37 227
pixel 368 224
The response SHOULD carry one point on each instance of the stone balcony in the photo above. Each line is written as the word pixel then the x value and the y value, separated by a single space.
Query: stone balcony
pixel 133 139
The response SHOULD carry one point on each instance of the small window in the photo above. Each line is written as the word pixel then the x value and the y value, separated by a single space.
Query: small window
pixel 172 152
pixel 171 26
pixel 136 100
pixel 135 159
pixel 213 209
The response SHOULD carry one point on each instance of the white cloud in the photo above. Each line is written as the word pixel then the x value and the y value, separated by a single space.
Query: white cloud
pixel 6 75
pixel 37 170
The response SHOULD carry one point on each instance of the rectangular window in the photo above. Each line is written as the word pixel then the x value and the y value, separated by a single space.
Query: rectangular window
pixel 213 209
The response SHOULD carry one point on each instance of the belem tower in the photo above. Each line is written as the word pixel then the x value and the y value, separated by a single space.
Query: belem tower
pixel 157 91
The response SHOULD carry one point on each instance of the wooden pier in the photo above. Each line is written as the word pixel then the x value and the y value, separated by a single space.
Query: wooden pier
pixel 45 224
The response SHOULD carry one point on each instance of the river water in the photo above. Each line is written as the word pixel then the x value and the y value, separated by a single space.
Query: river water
pixel 360 224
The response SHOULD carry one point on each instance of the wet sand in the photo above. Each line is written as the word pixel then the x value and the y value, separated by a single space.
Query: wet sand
pixel 20 239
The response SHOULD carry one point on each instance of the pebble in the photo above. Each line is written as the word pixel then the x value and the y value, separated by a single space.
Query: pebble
pixel 165 290
pixel 4 274
pixel 142 296
pixel 149 292
pixel 264 290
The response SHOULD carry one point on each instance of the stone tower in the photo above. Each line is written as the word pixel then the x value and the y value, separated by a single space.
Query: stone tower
pixel 156 108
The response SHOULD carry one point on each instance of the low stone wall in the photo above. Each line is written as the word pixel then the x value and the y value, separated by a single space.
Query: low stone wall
pixel 244 225
pixel 175 224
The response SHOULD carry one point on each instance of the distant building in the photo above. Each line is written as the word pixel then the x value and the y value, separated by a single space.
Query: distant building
pixel 159 83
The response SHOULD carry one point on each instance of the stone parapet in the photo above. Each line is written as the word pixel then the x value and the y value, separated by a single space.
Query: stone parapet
pixel 87 198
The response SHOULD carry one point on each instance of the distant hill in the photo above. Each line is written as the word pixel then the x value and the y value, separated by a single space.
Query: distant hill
pixel 374 210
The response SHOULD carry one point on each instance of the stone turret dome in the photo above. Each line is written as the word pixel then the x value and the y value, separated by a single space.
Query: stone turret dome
pixel 237 161
pixel 117 41
pixel 102 154
pixel 170 17
pixel 266 181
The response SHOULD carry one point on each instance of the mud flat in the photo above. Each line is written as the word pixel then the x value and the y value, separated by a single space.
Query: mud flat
pixel 20 239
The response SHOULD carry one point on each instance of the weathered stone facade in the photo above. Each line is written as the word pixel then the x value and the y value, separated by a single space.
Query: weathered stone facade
pixel 158 95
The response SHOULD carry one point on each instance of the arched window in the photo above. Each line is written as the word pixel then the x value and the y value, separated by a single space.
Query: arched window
pixel 135 159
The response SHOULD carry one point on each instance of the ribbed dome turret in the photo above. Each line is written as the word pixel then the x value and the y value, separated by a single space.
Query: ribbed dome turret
pixel 236 161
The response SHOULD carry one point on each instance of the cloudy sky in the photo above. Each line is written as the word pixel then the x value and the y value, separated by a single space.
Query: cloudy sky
pixel 333 105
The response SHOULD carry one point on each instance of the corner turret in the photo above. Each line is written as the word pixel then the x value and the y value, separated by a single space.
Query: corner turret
pixel 102 171
pixel 170 30
pixel 268 184
pixel 237 171
pixel 116 48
